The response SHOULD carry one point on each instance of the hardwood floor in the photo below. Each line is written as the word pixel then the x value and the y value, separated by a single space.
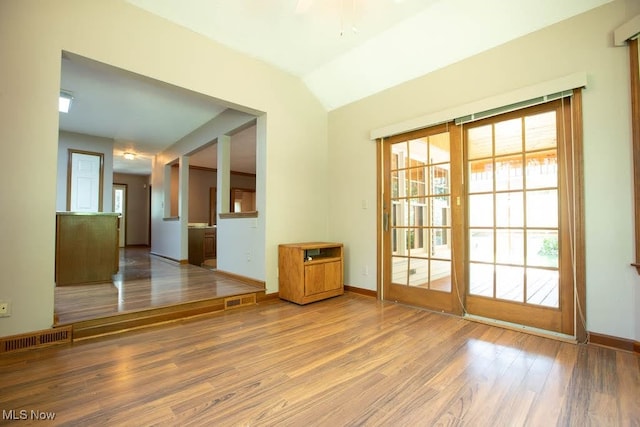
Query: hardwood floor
pixel 350 360
pixel 143 282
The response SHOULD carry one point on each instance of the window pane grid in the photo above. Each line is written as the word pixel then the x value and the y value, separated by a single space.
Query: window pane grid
pixel 512 175
pixel 421 224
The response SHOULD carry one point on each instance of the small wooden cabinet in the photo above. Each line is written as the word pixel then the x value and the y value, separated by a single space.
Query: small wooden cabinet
pixel 311 271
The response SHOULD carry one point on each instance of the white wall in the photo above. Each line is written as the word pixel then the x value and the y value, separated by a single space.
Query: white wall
pixel 582 44
pixel 78 141
pixel 240 241
pixel 166 234
pixel 33 34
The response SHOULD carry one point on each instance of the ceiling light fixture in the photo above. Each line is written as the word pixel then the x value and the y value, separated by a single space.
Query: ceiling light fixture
pixel 129 156
pixel 64 101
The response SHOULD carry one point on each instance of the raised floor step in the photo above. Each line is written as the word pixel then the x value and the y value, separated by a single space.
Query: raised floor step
pixel 136 319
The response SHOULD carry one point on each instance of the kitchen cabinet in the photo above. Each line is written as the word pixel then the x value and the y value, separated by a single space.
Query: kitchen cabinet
pixel 202 244
pixel 86 247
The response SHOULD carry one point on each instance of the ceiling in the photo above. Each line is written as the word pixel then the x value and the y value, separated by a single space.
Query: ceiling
pixel 142 116
pixel 343 50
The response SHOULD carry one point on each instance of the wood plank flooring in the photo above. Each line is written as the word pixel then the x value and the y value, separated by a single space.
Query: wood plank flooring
pixel 346 361
pixel 143 282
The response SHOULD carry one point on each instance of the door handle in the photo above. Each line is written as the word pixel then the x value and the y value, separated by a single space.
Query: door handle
pixel 385 221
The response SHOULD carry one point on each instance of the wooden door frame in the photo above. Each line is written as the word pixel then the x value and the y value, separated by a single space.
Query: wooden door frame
pixel 213 205
pixel 380 212
pixel 125 210
pixel 71 152
pixel 580 275
pixel 384 215
pixel 634 63
pixel 149 201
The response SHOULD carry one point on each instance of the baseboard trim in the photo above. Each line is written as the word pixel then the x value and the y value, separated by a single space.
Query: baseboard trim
pixel 248 280
pixel 263 296
pixel 614 342
pixel 361 291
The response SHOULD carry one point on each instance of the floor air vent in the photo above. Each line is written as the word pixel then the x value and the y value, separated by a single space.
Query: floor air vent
pixel 36 339
pixel 239 301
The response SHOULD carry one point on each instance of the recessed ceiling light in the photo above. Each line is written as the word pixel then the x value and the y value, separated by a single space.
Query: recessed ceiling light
pixel 129 156
pixel 64 101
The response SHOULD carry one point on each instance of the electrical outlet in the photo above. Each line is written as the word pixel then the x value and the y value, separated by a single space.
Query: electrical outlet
pixel 4 309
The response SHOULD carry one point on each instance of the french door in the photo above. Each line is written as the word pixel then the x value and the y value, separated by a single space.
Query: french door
pixel 481 218
pixel 422 170
pixel 519 222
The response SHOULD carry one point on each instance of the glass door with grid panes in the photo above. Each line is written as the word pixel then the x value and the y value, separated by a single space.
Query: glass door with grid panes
pixel 480 218
pixel 518 265
pixel 418 205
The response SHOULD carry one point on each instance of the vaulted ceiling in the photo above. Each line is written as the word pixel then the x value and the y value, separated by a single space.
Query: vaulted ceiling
pixel 343 50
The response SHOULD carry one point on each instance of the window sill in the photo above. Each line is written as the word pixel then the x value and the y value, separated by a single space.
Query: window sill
pixel 232 215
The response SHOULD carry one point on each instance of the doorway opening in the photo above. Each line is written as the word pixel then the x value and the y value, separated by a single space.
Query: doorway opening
pixel 120 206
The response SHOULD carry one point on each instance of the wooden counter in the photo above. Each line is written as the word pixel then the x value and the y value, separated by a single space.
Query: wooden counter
pixel 86 247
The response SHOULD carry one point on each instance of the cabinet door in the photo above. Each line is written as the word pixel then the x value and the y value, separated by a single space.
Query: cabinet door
pixel 196 242
pixel 209 245
pixel 322 277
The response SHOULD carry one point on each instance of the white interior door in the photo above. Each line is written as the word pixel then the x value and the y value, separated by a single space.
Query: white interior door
pixel 85 182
